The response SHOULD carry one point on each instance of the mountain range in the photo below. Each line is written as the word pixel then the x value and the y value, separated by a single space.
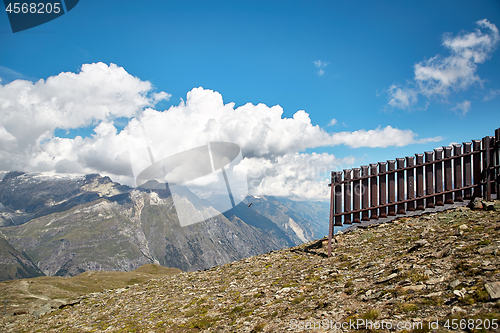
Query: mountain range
pixel 63 225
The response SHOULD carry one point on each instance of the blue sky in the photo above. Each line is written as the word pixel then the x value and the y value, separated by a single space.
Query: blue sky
pixel 342 60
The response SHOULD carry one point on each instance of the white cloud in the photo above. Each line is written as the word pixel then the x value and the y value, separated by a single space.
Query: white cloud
pixel 440 76
pixel 271 144
pixel 302 176
pixel 71 100
pixel 462 108
pixel 332 122
pixel 386 137
pixel 321 66
pixel 492 94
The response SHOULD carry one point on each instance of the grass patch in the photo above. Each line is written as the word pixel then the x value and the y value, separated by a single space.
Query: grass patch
pixel 408 307
pixel 370 314
pixel 203 322
pixel 259 327
pixel 298 300
pixel 415 276
pixel 484 242
pixel 237 309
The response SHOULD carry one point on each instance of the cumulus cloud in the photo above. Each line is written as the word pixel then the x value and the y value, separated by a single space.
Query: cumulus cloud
pixel 320 65
pixel 440 76
pixel 332 122
pixel 272 146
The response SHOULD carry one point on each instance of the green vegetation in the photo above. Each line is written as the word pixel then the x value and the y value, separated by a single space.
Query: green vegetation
pixel 298 300
pixel 371 314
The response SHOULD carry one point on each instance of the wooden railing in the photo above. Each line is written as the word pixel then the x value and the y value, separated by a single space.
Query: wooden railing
pixel 435 178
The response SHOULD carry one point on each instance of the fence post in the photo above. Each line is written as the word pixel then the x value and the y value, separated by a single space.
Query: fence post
pixel 497 161
pixel 382 190
pixel 457 174
pixel 357 196
pixel 486 168
pixel 401 185
pixel 330 226
pixel 392 187
pixel 373 191
pixel 364 194
pixel 438 170
pixel 429 179
pixel 476 160
pixel 492 165
pixel 410 182
pixel 338 198
pixel 448 180
pixel 420 181
pixel 467 170
pixel 347 196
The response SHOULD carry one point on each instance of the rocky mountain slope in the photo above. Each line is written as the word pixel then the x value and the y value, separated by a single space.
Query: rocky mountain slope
pixel 304 220
pixel 434 272
pixel 14 264
pixel 67 225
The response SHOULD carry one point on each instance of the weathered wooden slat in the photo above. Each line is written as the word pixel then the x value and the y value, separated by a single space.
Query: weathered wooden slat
pixel 382 189
pixel 438 176
pixel 448 173
pixel 486 168
pixel 364 194
pixel 356 194
pixel 373 191
pixel 392 188
pixel 410 182
pixel 338 197
pixel 347 196
pixel 420 181
pixel 330 224
pixel 457 173
pixel 429 179
pixel 467 170
pixel 401 185
pixel 476 160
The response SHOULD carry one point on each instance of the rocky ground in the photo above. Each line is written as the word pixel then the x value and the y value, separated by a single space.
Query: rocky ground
pixel 436 272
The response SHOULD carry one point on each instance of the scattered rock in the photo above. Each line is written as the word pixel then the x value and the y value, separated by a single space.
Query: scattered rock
pixel 460 293
pixel 417 287
pixel 387 278
pixel 493 289
pixel 476 204
pixel 435 280
pixel 435 294
pixel 454 283
pixel 456 309
pixel 418 244
pixel 487 249
pixel 488 205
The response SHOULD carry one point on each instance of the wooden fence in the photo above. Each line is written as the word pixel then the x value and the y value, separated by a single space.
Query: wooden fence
pixel 435 178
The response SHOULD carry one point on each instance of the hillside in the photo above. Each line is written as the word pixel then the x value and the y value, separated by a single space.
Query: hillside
pixel 43 294
pixel 14 264
pixel 439 266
